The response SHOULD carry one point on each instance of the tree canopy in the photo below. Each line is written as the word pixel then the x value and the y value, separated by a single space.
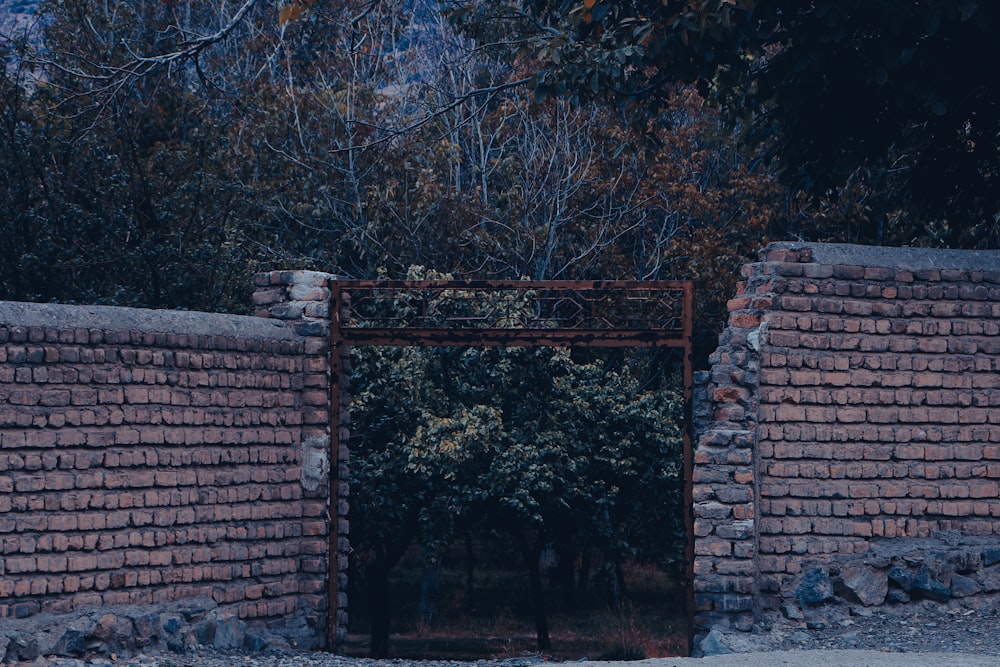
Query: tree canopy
pixel 530 442
pixel 158 154
pixel 881 101
pixel 533 442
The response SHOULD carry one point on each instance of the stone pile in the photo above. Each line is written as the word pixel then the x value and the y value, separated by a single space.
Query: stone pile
pixel 121 631
pixel 945 567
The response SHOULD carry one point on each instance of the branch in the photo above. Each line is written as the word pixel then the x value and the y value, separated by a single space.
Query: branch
pixel 490 92
pixel 194 47
pixel 116 77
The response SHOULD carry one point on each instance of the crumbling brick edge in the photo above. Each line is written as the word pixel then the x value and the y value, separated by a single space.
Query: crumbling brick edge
pixel 852 407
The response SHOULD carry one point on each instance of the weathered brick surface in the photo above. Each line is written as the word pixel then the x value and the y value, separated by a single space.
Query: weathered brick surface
pixel 848 401
pixel 148 456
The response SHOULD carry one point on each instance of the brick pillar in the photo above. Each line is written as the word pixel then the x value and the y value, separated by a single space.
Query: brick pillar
pixel 340 358
pixel 304 299
pixel 725 475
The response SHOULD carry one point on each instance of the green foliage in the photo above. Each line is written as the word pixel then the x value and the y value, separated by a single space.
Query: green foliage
pixel 528 441
pixel 523 438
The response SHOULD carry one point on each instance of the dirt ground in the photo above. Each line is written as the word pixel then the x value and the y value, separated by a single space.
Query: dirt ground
pixel 834 658
pixel 962 633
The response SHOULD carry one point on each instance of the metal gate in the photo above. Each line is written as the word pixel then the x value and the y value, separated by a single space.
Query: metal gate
pixel 473 313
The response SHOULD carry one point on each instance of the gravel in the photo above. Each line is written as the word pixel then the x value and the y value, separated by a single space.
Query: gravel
pixel 968 626
pixel 959 634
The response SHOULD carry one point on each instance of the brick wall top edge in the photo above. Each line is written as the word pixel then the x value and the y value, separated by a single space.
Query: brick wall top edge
pixel 901 258
pixel 115 318
pixel 269 278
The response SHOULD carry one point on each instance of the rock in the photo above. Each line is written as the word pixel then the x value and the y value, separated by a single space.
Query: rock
pixel 863 612
pixel 254 642
pixel 991 556
pixel 175 644
pixel 203 633
pixel 147 629
pixel 230 633
pixel 196 608
pixel 113 631
pixel 815 588
pixel 170 623
pixel 712 644
pixel 879 562
pixel 25 609
pixel 926 587
pixel 990 579
pixel 902 578
pixel 72 642
pixel 23 648
pixel 850 638
pixel 862 585
pixel 897 596
pixel 792 612
pixel 962 586
pixel 75 639
pixel 820 618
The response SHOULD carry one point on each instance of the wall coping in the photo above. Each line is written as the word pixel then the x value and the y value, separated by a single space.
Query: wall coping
pixel 902 258
pixel 116 318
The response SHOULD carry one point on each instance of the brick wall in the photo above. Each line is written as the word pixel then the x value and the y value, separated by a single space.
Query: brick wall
pixel 152 456
pixel 854 398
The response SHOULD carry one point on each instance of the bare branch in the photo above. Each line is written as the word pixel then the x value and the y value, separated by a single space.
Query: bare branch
pixel 195 46
pixel 491 92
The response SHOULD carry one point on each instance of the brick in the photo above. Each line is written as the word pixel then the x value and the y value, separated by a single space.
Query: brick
pixel 848 272
pixel 851 415
pixel 796 303
pixel 789 255
pixel 744 320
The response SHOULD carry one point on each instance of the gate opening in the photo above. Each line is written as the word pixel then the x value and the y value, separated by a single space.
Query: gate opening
pixel 484 314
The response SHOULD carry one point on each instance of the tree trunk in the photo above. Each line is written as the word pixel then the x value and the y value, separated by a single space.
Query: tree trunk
pixel 430 586
pixel 531 556
pixel 566 571
pixel 380 608
pixel 617 583
pixel 584 582
pixel 470 591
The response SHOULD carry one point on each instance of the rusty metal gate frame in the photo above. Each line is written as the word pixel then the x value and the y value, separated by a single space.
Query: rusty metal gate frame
pixel 531 314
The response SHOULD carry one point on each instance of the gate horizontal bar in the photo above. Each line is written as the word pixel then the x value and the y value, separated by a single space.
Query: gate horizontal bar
pixel 510 338
pixel 608 313
pixel 515 284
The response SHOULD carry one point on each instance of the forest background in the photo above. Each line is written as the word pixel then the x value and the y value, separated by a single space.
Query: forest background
pixel 158 153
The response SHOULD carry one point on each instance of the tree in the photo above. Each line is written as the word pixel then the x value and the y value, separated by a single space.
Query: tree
pixel 126 198
pixel 878 100
pixel 545 447
pixel 208 141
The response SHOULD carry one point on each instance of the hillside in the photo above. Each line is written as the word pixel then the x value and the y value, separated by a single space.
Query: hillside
pixel 15 13
pixel 17 7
